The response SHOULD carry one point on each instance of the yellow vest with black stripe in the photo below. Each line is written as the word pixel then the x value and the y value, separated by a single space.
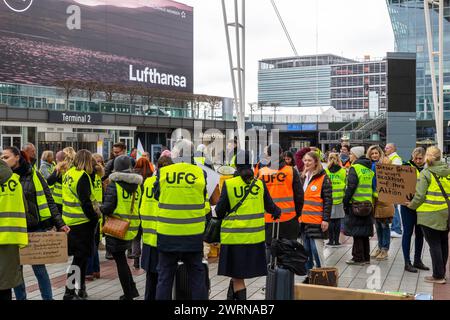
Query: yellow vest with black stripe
pixel 434 203
pixel 97 189
pixel 395 157
pixel 364 191
pixel 247 224
pixel 338 184
pixel 73 213
pixel 57 193
pixel 13 222
pixel 50 170
pixel 125 212
pixel 149 213
pixel 41 199
pixel 182 200
pixel 200 160
pixel 233 162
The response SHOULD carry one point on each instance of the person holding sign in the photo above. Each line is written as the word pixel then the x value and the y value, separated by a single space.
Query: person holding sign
pixel 358 200
pixel 409 221
pixel 391 153
pixel 433 211
pixel 13 230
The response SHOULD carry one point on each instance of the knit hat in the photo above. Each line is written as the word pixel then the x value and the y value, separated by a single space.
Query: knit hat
pixel 166 153
pixel 122 164
pixel 358 151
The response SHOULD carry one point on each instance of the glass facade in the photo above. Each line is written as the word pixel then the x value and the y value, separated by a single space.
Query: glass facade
pixel 408 23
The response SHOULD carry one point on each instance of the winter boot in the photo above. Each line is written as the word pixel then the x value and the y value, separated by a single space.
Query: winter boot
pixel 241 294
pixel 230 293
pixel 376 254
pixel 70 294
pixel 382 256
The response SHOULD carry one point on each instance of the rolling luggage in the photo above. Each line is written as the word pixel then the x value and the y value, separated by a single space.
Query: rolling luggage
pixel 181 288
pixel 279 282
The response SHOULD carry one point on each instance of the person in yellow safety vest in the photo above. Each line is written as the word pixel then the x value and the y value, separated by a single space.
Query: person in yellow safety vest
pixel 149 214
pixel 285 188
pixel 338 177
pixel 432 211
pixel 396 227
pixel 31 155
pixel 359 189
pixel 201 158
pixel 13 230
pixel 316 211
pixel 79 214
pixel 122 198
pixel 242 237
pixel 232 151
pixel 47 164
pixel 181 191
pixel 93 266
pixel 409 222
pixel 42 214
pixel 54 181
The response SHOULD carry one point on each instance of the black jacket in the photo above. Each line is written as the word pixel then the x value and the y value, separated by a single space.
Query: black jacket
pixel 355 226
pixel 315 230
pixel 130 182
pixel 34 222
pixel 110 167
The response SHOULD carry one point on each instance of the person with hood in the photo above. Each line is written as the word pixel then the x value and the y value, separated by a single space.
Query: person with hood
pixel 318 203
pixel 80 215
pixel 242 233
pixel 338 177
pixel 13 230
pixel 122 198
pixel 180 190
pixel 299 164
pixel 359 189
pixel 285 188
pixel 42 213
pixel 433 212
pixel 47 164
pixel 409 222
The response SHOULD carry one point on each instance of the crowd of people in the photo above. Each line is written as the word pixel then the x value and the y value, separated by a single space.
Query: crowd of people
pixel 316 198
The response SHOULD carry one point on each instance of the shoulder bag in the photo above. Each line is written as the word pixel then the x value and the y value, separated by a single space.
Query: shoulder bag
pixel 362 209
pixel 445 196
pixel 116 227
pixel 213 226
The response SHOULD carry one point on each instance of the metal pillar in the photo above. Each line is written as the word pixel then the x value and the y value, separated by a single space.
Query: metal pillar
pixel 238 70
pixel 438 92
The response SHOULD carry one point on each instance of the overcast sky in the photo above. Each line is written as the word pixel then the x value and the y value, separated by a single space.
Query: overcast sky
pixel 352 28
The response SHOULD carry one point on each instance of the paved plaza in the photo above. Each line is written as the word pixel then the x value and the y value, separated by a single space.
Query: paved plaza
pixel 392 276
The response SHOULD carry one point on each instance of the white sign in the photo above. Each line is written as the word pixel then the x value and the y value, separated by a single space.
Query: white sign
pixel 374 104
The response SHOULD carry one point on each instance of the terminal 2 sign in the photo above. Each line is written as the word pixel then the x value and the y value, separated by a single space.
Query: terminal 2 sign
pixel 74 117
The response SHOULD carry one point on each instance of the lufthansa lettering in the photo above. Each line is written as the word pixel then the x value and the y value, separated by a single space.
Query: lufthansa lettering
pixel 154 77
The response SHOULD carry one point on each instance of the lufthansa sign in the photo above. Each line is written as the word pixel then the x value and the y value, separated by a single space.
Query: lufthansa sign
pixel 74 117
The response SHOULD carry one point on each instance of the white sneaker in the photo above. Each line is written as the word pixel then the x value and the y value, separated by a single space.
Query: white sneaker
pixel 395 235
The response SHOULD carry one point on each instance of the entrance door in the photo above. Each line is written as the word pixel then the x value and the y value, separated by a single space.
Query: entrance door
pixel 9 140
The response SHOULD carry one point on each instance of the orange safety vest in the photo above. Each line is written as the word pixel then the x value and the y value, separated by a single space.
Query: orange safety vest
pixel 312 212
pixel 279 185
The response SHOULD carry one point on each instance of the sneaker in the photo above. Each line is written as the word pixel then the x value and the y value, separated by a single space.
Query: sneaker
pixel 376 254
pixel 434 280
pixel 395 234
pixel 355 263
pixel 420 266
pixel 382 256
pixel 410 268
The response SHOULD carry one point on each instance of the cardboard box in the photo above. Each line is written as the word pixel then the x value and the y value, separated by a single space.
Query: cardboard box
pixel 312 292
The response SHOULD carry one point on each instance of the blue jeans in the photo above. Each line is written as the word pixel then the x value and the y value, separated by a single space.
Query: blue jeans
pixel 313 255
pixel 409 220
pixel 383 235
pixel 45 286
pixel 397 222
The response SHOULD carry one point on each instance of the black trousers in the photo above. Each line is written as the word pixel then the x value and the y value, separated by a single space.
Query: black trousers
pixel 151 283
pixel 438 242
pixel 361 249
pixel 81 263
pixel 5 295
pixel 334 231
pixel 167 268
pixel 125 276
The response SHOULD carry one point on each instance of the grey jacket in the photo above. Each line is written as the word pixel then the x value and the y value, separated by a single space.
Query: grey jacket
pixel 46 169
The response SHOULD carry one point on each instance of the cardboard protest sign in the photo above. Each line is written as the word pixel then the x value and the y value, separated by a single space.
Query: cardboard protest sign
pixel 396 184
pixel 45 248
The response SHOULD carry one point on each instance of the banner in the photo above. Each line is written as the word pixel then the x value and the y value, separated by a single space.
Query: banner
pixel 45 248
pixel 396 184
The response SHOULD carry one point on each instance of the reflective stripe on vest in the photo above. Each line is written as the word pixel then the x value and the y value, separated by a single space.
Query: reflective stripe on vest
pixel 57 193
pixel 13 222
pixel 181 200
pixel 434 199
pixel 72 213
pixel 247 224
pixel 338 183
pixel 98 189
pixel 149 213
pixel 395 157
pixel 312 212
pixel 233 162
pixel 41 199
pixel 125 212
pixel 364 190
pixel 279 185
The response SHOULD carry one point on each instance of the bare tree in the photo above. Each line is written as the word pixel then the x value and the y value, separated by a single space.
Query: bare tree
pixel 214 103
pixel 261 106
pixel 91 88
pixel 68 86
pixel 132 92
pixel 275 106
pixel 109 89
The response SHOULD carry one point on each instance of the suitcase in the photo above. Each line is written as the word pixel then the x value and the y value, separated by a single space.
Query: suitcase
pixel 181 288
pixel 279 282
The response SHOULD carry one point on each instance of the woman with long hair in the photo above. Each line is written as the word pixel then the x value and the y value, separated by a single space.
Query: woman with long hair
pixel 316 210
